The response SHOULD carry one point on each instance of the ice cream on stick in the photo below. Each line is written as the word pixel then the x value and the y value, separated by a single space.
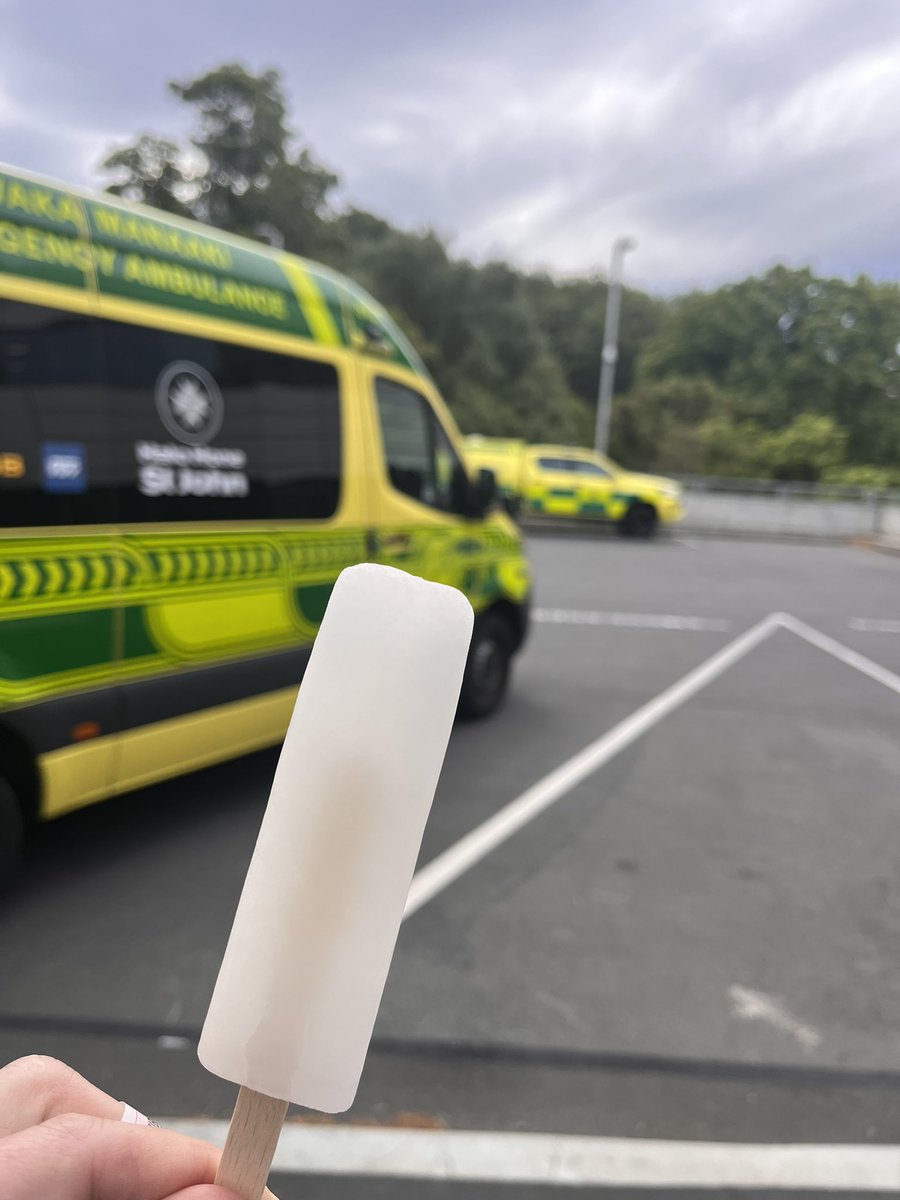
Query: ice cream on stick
pixel 298 991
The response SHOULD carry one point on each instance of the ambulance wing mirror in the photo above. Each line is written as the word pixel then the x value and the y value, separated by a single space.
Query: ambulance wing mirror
pixel 484 492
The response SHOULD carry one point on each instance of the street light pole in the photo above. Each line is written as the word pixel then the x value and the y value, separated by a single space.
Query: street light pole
pixel 621 246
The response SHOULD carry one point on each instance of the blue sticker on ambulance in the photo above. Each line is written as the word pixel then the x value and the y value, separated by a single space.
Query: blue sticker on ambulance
pixel 64 467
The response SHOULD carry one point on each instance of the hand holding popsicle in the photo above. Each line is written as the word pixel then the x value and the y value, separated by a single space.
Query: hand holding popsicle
pixel 62 1137
pixel 298 991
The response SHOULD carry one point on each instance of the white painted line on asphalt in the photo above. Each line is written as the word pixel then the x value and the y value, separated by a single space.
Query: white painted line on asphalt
pixel 871 625
pixel 168 1041
pixel 448 866
pixel 629 620
pixel 568 1160
pixel 750 1005
pixel 838 650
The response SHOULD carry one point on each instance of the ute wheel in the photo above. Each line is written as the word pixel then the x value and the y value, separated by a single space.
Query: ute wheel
pixel 12 834
pixel 640 521
pixel 487 670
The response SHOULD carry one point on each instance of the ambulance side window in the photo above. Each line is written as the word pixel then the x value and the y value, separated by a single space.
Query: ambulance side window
pixel 420 459
pixel 588 468
pixel 211 431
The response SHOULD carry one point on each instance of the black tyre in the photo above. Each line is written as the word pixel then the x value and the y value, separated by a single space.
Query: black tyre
pixel 640 521
pixel 12 834
pixel 487 669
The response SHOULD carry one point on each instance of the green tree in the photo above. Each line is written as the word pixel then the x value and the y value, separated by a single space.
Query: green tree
pixel 241 135
pixel 149 172
pixel 863 475
pixel 247 175
pixel 791 344
pixel 253 181
pixel 806 448
pixel 658 425
pixel 571 314
pixel 731 448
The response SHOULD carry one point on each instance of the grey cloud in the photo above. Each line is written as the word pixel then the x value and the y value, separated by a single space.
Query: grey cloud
pixel 724 136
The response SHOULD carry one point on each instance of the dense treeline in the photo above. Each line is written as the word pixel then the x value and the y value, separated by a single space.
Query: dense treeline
pixel 786 375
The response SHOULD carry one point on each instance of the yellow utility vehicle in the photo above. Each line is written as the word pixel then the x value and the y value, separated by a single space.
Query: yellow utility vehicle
pixel 570 481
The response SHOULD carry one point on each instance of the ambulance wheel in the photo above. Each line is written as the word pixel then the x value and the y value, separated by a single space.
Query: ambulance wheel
pixel 12 834
pixel 640 521
pixel 487 670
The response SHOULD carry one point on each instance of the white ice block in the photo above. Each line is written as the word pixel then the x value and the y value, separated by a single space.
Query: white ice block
pixel 300 984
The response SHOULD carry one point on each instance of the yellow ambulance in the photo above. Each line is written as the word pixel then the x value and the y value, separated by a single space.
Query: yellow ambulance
pixel 197 434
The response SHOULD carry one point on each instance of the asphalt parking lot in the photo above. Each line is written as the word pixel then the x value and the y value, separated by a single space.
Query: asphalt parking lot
pixel 681 922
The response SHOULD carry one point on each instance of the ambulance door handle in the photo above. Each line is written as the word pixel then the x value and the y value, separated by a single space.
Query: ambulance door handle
pixel 396 543
pixel 391 543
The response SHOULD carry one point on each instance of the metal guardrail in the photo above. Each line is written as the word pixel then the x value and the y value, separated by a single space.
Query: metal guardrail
pixel 792 488
pixel 779 508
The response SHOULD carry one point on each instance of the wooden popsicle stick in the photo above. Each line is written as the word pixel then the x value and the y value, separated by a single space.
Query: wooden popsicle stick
pixel 250 1145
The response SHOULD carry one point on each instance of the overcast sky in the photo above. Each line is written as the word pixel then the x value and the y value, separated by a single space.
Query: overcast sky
pixel 724 135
